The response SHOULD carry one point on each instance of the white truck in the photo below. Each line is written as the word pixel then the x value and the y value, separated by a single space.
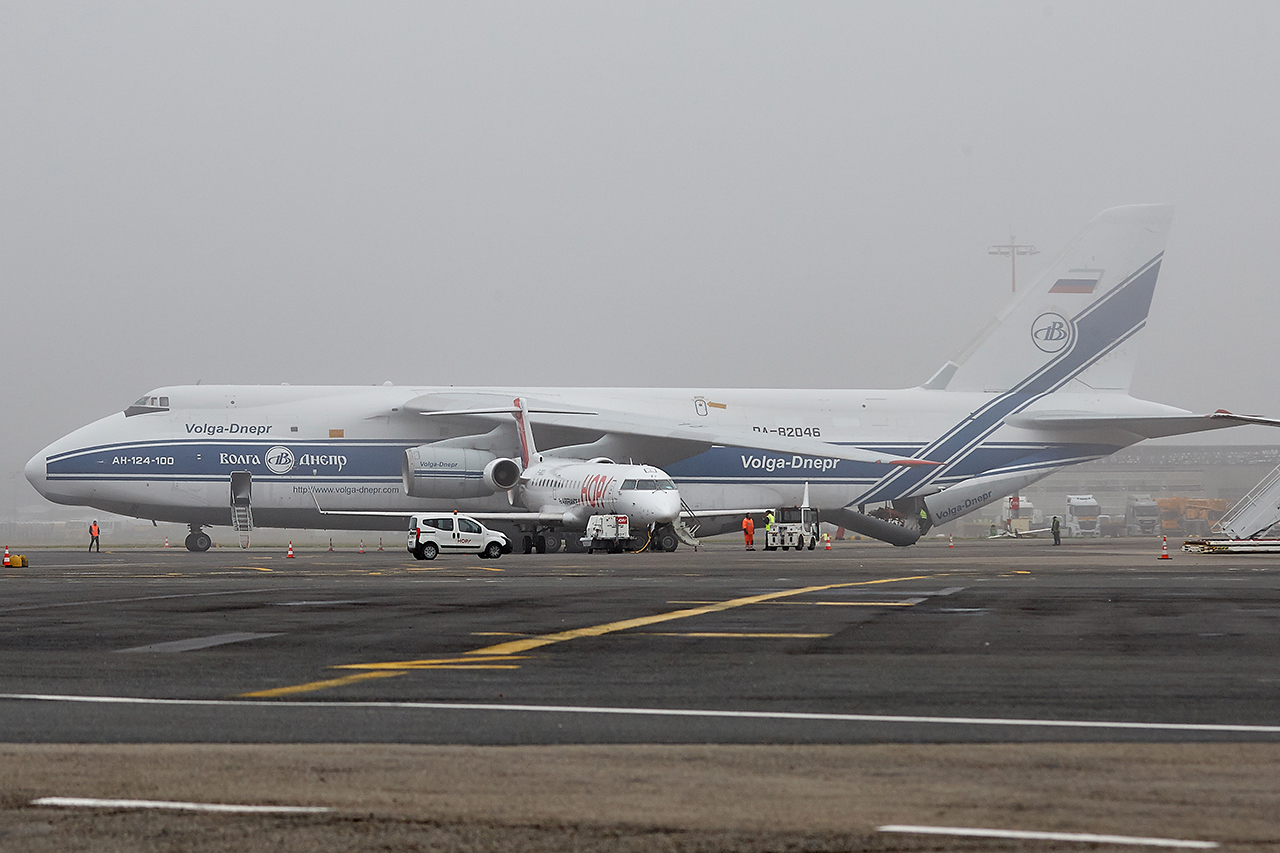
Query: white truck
pixel 793 527
pixel 1082 516
pixel 1141 516
pixel 611 533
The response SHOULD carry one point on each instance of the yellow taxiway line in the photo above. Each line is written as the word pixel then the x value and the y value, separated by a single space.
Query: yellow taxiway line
pixel 503 655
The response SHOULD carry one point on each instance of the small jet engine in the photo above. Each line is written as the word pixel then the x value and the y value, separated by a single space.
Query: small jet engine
pixel 456 472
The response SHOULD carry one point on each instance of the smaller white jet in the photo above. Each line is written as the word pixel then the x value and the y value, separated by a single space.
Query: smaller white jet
pixel 556 494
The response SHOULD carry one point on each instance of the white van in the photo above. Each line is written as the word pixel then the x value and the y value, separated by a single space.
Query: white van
pixel 440 532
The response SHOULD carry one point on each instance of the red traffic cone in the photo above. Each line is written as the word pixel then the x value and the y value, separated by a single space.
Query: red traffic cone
pixel 331 543
pixel 290 554
pixel 1164 549
pixel 951 543
pixel 361 551
pixel 166 541
pixel 6 557
pixel 826 540
pixel 379 543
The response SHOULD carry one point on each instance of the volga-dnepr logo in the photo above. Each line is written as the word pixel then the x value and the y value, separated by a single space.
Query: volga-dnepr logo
pixel 1051 332
pixel 280 460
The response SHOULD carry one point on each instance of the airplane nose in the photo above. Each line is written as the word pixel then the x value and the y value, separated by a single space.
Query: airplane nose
pixel 671 506
pixel 35 472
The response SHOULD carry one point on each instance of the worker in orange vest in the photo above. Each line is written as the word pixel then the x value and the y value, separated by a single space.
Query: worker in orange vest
pixel 749 532
pixel 93 536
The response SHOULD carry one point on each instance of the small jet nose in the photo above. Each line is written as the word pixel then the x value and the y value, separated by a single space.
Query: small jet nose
pixel 670 502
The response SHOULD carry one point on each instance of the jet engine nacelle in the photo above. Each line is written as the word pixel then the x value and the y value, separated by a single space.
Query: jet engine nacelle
pixel 456 472
pixel 973 494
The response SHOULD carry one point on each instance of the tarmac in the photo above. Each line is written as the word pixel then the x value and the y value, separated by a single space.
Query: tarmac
pixel 709 700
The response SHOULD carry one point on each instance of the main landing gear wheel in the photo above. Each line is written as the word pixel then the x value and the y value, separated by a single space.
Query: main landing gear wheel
pixel 199 542
pixel 554 543
pixel 526 545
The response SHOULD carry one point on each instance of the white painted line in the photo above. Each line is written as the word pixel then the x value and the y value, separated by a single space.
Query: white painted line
pixel 650 712
pixel 93 803
pixel 197 643
pixel 317 602
pixel 1084 837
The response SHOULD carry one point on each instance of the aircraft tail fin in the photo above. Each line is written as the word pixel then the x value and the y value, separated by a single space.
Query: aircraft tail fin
pixel 528 451
pixel 1079 323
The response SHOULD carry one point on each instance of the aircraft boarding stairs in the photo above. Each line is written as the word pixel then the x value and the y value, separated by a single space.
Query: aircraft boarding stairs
pixel 241 498
pixel 1244 524
pixel 1256 512
pixel 687 530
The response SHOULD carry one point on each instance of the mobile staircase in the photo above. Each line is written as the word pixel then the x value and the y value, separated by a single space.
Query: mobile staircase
pixel 1243 525
pixel 687 526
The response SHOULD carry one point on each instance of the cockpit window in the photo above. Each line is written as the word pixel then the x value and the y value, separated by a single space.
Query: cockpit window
pixel 646 485
pixel 628 485
pixel 666 485
pixel 147 405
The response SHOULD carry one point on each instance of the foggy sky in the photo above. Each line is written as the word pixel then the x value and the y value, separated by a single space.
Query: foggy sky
pixel 702 194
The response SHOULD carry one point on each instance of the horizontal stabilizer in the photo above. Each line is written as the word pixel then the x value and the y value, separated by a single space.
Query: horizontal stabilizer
pixel 1147 426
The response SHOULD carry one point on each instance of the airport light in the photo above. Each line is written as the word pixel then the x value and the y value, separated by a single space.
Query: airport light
pixel 1011 250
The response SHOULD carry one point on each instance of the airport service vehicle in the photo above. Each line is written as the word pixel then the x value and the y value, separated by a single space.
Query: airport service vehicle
pixel 1045 385
pixel 1110 526
pixel 793 527
pixel 610 533
pixel 431 534
pixel 1190 516
pixel 1082 516
pixel 1141 516
pixel 1019 515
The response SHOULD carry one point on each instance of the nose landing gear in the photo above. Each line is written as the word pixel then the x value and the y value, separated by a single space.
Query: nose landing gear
pixel 197 540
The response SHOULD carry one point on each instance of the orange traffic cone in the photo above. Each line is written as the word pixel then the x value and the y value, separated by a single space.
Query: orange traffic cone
pixel 6 557
pixel 330 543
pixel 379 543
pixel 290 554
pixel 361 551
pixel 1164 548
pixel 826 541
pixel 166 541
pixel 951 543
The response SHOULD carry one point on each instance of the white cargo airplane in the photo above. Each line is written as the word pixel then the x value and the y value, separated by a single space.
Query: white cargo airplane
pixel 1045 385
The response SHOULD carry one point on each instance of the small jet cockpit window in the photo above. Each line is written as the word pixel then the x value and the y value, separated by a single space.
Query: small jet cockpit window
pixel 666 486
pixel 628 485
pixel 146 405
pixel 646 485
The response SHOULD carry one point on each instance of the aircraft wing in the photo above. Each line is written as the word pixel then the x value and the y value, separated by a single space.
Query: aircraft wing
pixel 716 513
pixel 1016 534
pixel 696 438
pixel 1147 426
pixel 539 517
